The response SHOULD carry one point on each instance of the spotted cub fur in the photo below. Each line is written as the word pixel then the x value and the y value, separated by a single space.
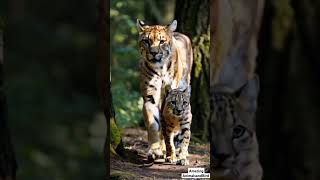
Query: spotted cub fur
pixel 176 124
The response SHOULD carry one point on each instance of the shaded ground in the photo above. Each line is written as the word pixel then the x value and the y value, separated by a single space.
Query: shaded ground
pixel 135 141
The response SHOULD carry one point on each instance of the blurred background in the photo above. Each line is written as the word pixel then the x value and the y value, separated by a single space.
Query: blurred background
pixel 288 119
pixel 127 100
pixel 288 67
pixel 54 110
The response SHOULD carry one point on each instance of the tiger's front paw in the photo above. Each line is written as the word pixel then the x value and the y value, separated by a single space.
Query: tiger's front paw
pixel 154 154
pixel 171 159
pixel 183 162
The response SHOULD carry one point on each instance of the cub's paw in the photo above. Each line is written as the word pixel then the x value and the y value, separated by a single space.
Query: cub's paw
pixel 171 159
pixel 183 162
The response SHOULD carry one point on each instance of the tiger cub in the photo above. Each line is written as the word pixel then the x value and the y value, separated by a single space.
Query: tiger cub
pixel 176 124
pixel 234 145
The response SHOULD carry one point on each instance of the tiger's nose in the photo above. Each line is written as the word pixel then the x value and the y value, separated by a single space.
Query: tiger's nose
pixel 153 53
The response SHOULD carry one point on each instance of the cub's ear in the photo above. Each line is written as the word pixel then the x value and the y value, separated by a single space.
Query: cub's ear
pixel 188 90
pixel 140 25
pixel 173 26
pixel 248 94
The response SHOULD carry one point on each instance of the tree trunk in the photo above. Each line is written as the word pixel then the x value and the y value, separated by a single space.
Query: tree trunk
pixel 8 165
pixel 103 62
pixel 193 20
pixel 104 85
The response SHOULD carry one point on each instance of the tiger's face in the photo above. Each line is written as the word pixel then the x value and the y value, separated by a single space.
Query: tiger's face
pixel 178 101
pixel 155 41
pixel 232 127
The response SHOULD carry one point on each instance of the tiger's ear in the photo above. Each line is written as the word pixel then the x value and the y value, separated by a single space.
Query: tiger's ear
pixel 140 25
pixel 173 26
pixel 248 94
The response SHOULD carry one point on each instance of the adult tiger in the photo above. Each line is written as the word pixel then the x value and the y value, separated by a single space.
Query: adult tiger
pixel 167 58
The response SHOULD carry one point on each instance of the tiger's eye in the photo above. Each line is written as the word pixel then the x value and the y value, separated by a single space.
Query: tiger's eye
pixel 161 41
pixel 173 102
pixel 146 41
pixel 238 131
pixel 185 102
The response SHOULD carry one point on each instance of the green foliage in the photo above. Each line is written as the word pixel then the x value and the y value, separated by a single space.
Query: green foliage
pixel 125 59
pixel 123 15
pixel 128 105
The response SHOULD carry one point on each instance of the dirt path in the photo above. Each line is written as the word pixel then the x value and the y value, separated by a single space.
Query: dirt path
pixel 135 141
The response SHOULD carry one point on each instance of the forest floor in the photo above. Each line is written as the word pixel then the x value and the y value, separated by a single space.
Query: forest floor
pixel 136 146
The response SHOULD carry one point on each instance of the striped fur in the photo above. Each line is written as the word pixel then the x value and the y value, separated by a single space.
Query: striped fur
pixel 176 124
pixel 166 59
pixel 234 146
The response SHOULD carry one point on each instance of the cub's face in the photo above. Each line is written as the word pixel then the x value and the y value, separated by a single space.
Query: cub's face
pixel 155 41
pixel 178 101
pixel 232 128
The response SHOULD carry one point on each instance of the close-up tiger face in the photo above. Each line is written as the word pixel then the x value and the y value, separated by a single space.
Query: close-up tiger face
pixel 234 147
pixel 178 101
pixel 155 41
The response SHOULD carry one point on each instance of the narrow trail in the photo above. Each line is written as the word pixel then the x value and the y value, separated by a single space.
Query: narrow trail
pixel 135 142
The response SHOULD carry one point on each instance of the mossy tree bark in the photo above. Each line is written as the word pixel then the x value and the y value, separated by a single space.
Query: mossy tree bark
pixel 116 146
pixel 193 20
pixel 8 165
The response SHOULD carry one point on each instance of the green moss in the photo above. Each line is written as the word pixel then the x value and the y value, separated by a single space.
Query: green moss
pixel 112 151
pixel 201 51
pixel 115 134
pixel 200 83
